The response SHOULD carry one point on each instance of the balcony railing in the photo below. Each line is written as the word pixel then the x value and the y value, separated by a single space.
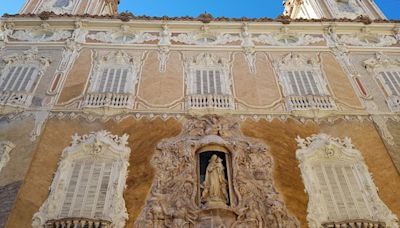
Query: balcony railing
pixel 354 224
pixel 15 98
pixel 310 102
pixel 113 100
pixel 210 101
pixel 78 223
pixel 394 103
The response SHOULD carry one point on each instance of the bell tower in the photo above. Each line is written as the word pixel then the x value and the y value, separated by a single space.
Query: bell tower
pixel 75 7
pixel 316 9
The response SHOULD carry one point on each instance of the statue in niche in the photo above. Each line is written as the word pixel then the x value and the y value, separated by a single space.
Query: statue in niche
pixel 214 186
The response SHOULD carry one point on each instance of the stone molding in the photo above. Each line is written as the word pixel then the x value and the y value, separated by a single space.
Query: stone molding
pixel 323 148
pixel 5 149
pixel 172 198
pixel 96 145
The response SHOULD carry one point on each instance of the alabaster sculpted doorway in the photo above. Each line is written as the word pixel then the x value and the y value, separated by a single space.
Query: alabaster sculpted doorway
pixel 210 175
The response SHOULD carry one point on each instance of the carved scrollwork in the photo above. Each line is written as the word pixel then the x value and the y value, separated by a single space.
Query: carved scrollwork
pixel 173 198
pixel 42 34
pixel 124 35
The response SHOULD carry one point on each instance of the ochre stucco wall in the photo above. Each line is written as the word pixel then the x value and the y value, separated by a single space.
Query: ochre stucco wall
pixel 161 88
pixel 77 77
pixel 145 134
pixel 256 89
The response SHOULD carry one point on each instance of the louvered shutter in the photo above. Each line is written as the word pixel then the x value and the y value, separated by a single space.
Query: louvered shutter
pixel 205 82
pixel 6 78
pixel 19 79
pixel 211 81
pixel 198 82
pixel 303 83
pixel 116 81
pixel 313 83
pixel 103 80
pixel 124 81
pixel 392 82
pixel 293 84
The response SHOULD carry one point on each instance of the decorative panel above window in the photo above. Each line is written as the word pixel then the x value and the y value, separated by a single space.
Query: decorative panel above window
pixel 341 190
pixel 87 190
pixel 19 77
pixel 387 71
pixel 208 82
pixel 113 81
pixel 303 84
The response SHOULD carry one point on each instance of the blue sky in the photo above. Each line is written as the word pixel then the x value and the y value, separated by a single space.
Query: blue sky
pixel 227 8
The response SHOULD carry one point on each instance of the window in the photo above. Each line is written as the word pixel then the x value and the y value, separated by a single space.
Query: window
pixel 113 81
pixel 18 78
pixel 391 81
pixel 338 183
pixel 303 84
pixel 208 84
pixel 89 183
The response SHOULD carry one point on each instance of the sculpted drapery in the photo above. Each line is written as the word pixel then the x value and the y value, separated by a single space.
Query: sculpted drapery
pixel 214 185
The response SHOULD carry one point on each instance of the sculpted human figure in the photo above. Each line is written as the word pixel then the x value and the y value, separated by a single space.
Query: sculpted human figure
pixel 215 192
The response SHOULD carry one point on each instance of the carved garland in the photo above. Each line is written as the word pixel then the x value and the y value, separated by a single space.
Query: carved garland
pixel 172 198
pixel 96 146
pixel 320 150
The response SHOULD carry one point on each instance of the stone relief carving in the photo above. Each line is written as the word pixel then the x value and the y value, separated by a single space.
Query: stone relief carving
pixel 44 33
pixel 287 38
pixel 173 200
pixel 58 7
pixel 124 35
pixel 5 149
pixel 99 145
pixel 366 38
pixel 205 37
pixel 323 149
pixel 381 61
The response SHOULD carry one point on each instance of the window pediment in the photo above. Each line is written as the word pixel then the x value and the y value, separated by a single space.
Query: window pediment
pixel 381 61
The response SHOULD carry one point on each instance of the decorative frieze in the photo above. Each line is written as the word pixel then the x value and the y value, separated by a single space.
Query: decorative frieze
pixel 124 35
pixel 367 39
pixel 287 38
pixel 44 33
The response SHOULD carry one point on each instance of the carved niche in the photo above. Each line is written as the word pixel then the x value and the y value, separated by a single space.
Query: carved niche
pixel 177 193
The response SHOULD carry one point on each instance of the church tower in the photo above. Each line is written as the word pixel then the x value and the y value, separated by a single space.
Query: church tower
pixel 75 7
pixel 316 9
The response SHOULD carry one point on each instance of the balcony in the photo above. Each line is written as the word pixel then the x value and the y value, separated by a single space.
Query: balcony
pixel 209 101
pixel 354 224
pixel 394 103
pixel 15 98
pixel 78 223
pixel 310 103
pixel 112 100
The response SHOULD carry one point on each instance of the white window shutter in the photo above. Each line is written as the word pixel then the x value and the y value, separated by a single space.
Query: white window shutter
pixel 124 82
pixel 218 82
pixel 211 81
pixel 198 82
pixel 6 78
pixel 392 82
pixel 103 80
pixel 205 82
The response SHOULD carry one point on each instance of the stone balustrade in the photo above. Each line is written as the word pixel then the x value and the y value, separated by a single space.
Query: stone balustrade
pixel 78 223
pixel 114 100
pixel 15 98
pixel 354 224
pixel 310 102
pixel 210 101
pixel 394 103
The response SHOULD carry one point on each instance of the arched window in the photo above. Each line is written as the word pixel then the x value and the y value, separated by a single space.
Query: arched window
pixel 87 190
pixel 341 190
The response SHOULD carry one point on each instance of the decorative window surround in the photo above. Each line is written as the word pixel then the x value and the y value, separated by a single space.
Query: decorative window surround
pixel 367 39
pixel 113 81
pixel 88 186
pixel 18 89
pixel 341 190
pixel 387 71
pixel 208 83
pixel 42 34
pixel 303 85
pixel 124 35
pixel 5 149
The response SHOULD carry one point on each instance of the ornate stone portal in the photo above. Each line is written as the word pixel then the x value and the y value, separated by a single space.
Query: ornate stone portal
pixel 212 176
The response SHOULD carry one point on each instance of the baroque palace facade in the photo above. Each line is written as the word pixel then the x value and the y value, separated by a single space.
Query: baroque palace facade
pixel 113 120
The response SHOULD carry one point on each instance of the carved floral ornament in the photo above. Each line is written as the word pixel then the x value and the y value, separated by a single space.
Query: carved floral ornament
pixel 101 147
pixel 43 33
pixel 332 167
pixel 58 6
pixel 5 149
pixel 368 39
pixel 124 35
pixel 179 198
pixel 380 62
pixel 287 38
pixel 30 56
